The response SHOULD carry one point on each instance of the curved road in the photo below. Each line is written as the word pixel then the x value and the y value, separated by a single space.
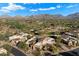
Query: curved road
pixel 17 52
pixel 74 52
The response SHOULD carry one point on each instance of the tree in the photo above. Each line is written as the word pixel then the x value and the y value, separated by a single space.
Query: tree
pixel 58 41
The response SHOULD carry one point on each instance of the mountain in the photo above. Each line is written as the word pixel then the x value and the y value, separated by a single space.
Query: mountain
pixel 54 17
pixel 45 17
pixel 41 17
pixel 73 16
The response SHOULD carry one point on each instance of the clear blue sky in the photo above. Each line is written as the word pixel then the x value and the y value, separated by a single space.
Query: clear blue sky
pixel 26 9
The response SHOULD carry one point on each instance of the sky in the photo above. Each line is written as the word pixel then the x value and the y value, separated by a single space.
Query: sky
pixel 27 9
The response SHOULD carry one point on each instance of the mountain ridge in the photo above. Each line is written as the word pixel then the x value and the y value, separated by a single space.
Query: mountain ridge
pixel 42 16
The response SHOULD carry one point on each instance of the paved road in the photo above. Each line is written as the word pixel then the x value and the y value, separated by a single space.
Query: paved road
pixel 74 52
pixel 17 52
pixel 64 47
pixel 69 52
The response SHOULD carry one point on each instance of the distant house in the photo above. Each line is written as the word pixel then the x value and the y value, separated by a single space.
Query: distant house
pixel 78 34
pixel 73 34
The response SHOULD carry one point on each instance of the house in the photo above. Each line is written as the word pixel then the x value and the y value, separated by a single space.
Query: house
pixel 70 40
pixel 78 34
pixel 70 43
pixel 38 45
pixel 18 37
pixel 43 44
pixel 3 51
pixel 75 43
pixel 78 42
pixel 49 41
pixel 30 42
pixel 73 34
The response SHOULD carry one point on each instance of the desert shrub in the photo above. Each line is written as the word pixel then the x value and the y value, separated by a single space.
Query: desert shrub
pixel 3 54
pixel 58 41
pixel 5 36
pixel 8 48
pixel 51 33
pixel 22 45
pixel 55 50
pixel 36 52
pixel 16 24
